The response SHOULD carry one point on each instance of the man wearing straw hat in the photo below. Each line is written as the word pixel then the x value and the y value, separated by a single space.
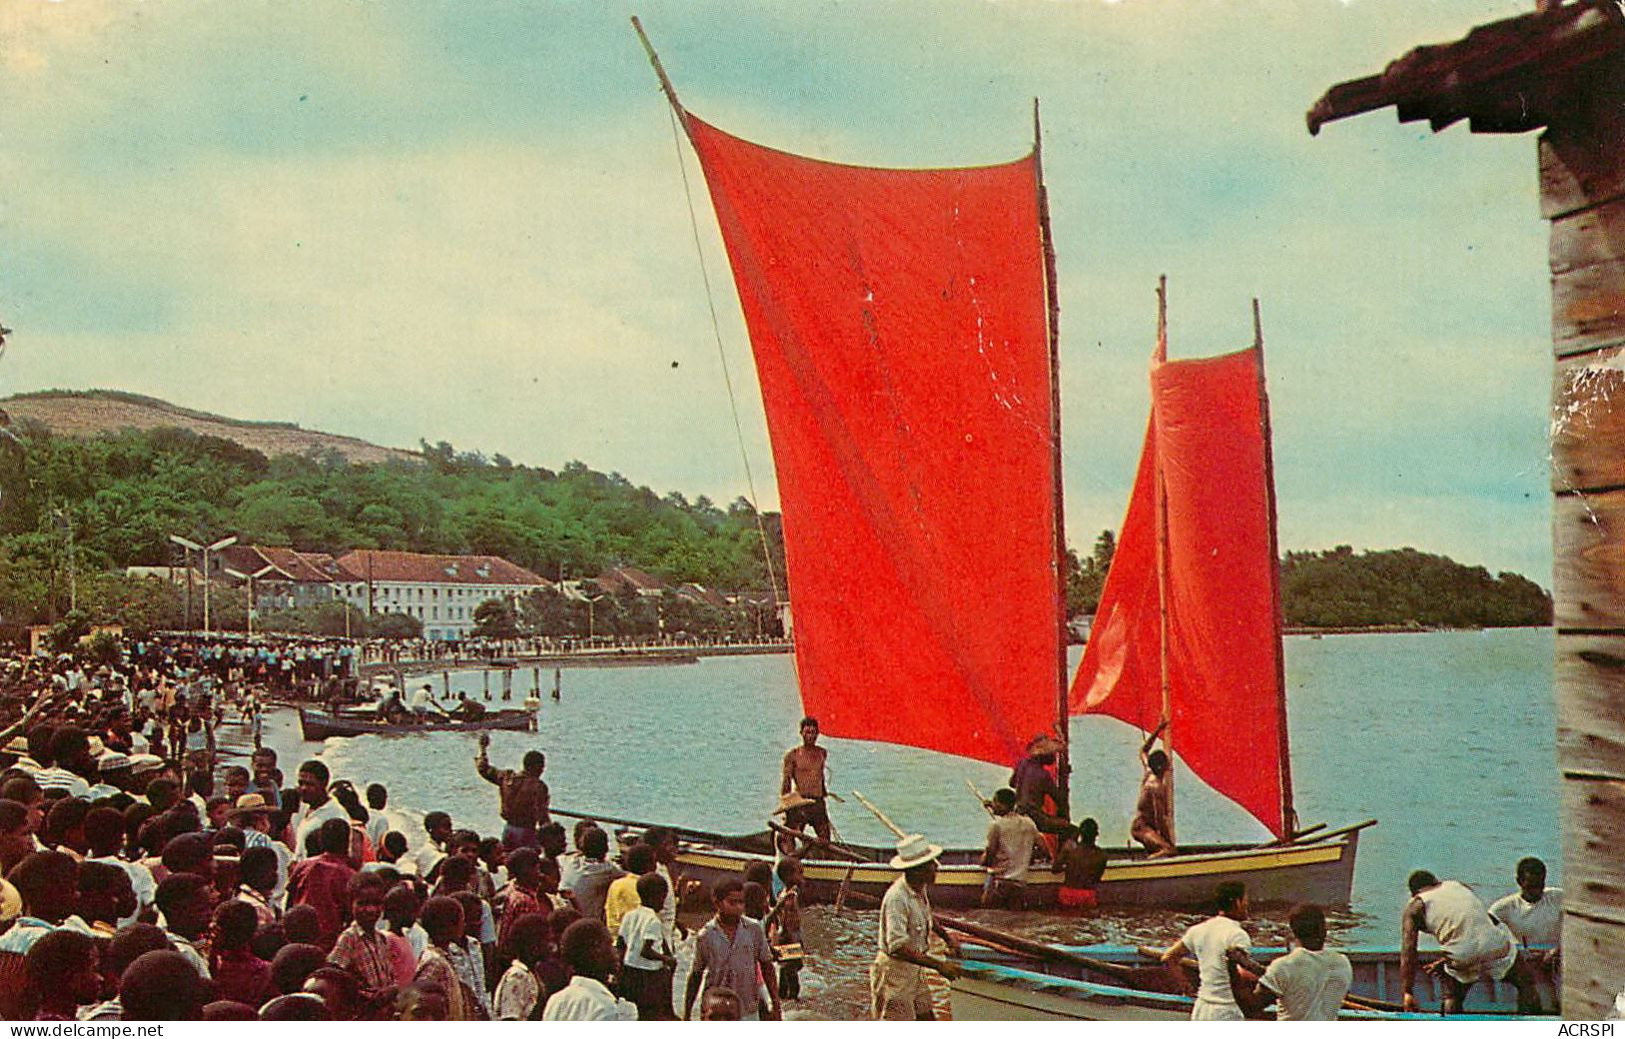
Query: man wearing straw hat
pixel 897 978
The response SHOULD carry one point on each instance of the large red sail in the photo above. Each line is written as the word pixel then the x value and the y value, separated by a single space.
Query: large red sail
pixel 1206 442
pixel 898 323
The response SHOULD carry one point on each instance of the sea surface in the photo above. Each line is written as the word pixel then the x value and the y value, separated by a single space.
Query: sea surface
pixel 1446 738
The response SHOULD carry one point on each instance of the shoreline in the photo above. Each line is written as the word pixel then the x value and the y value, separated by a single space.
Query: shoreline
pixel 618 656
pixel 1396 629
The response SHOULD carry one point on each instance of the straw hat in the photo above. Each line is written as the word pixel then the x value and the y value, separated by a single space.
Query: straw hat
pixel 1043 743
pixel 792 800
pixel 250 805
pixel 914 850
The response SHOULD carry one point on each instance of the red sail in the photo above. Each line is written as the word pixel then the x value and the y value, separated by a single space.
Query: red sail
pixel 899 328
pixel 1207 444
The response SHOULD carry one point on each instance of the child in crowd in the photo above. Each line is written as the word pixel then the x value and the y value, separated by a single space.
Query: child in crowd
pixel 647 963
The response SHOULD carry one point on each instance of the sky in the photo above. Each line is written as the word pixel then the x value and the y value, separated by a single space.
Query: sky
pixel 467 221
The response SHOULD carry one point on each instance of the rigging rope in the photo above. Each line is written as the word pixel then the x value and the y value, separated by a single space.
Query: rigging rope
pixel 727 378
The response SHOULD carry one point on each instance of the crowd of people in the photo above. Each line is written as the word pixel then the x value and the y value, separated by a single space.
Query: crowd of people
pixel 145 881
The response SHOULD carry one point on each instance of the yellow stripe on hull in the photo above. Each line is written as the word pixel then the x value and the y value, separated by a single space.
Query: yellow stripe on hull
pixel 972 876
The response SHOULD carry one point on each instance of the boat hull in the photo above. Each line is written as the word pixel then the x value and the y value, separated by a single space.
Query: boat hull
pixel 321 725
pixel 995 988
pixel 1318 872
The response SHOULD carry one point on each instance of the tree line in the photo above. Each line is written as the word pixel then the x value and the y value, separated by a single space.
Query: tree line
pixel 74 512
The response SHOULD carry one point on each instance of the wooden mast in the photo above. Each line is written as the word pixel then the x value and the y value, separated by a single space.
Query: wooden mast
pixel 1158 358
pixel 1289 814
pixel 660 72
pixel 1062 712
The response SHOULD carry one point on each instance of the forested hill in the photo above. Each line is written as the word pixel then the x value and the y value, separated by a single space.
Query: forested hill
pixel 1341 588
pixel 124 493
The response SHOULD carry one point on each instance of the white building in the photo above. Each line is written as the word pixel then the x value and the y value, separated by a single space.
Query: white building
pixel 441 592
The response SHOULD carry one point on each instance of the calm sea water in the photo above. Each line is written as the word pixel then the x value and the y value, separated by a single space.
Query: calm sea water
pixel 1446 738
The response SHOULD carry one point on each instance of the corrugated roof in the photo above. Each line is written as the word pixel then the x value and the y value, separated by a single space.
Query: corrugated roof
pixel 1508 76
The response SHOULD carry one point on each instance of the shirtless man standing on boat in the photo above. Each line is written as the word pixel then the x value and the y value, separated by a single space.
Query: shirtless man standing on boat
pixel 1153 824
pixel 804 770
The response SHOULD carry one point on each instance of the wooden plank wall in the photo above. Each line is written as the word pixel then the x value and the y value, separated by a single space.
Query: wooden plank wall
pixel 1582 176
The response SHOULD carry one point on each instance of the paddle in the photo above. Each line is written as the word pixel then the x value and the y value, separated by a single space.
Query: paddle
pixel 979 798
pixel 741 843
pixel 1041 951
pixel 816 842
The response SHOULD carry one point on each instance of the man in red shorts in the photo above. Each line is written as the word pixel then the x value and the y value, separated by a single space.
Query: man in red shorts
pixel 1083 863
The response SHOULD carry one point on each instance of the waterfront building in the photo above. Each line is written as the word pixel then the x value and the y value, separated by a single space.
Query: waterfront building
pixel 441 591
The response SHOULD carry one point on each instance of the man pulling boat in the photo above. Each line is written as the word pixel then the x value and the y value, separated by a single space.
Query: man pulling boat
pixel 897 979
pixel 1475 943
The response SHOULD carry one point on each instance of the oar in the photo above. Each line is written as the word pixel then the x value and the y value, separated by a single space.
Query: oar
pixel 1038 950
pixel 1293 838
pixel 893 827
pixel 816 842
pixel 1330 834
pixel 978 795
pixel 723 839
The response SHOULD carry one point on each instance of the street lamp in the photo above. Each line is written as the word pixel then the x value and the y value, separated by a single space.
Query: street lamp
pixel 189 547
pixel 261 572
pixel 217 546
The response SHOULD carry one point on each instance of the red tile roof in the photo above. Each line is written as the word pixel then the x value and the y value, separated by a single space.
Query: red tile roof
pixel 290 565
pixel 418 568
pixel 617 577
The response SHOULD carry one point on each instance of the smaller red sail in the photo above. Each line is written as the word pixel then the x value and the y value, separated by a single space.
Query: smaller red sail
pixel 1206 445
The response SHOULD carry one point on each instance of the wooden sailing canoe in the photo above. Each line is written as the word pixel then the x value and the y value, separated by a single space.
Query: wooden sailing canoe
pixel 999 987
pixel 321 725
pixel 1316 871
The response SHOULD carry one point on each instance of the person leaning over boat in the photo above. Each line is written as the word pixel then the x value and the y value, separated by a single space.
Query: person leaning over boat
pixel 804 770
pixel 1534 915
pixel 423 703
pixel 524 796
pixel 897 978
pixel 1220 946
pixel 1037 795
pixel 1310 981
pixel 1475 943
pixel 1153 823
pixel 1009 852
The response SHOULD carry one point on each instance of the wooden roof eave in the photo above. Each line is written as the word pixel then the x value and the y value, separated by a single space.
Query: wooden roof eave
pixel 1503 77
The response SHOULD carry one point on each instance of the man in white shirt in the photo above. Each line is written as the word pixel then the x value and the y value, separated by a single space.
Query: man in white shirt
pixel 1311 980
pixel 1011 837
pixel 1534 915
pixel 1475 944
pixel 1220 945
pixel 316 805
pixel 423 703
pixel 587 950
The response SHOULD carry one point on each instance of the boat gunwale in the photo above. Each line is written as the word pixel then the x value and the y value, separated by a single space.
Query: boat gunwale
pixel 1092 991
pixel 1239 853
